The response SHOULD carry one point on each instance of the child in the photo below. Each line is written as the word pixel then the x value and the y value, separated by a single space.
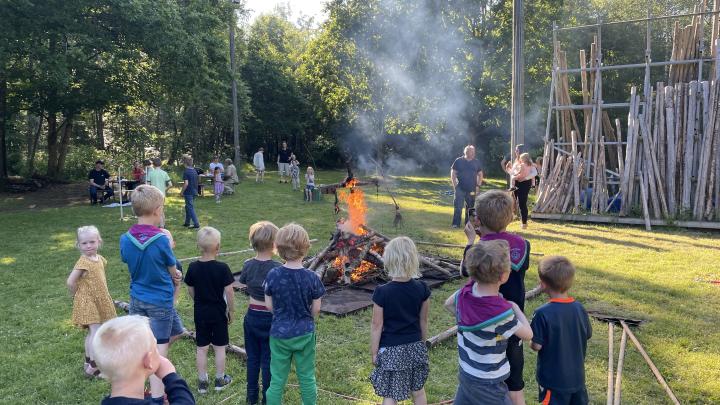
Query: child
pixel 256 325
pixel 153 274
pixel 292 293
pixel 210 285
pixel 92 304
pixel 493 213
pixel 399 327
pixel 486 322
pixel 259 163
pixel 218 183
pixel 127 355
pixel 309 183
pixel 561 329
pixel 295 172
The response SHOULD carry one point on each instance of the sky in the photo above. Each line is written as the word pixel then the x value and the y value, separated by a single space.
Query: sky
pixel 298 8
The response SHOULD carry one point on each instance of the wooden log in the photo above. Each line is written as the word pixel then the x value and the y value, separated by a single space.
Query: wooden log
pixel 689 145
pixel 324 252
pixel 660 139
pixel 628 175
pixel 621 160
pixel 609 133
pixel 618 375
pixel 441 337
pixel 650 363
pixel 644 198
pixel 611 356
pixel 704 165
pixel 647 168
pixel 575 184
pixel 670 158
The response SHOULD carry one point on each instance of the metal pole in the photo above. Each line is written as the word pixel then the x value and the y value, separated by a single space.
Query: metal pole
pixel 120 192
pixel 236 130
pixel 517 128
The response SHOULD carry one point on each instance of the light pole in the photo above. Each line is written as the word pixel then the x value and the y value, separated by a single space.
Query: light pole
pixel 236 129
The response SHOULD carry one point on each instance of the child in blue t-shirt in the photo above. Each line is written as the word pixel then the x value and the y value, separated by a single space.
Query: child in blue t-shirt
pixel 493 213
pixel 486 322
pixel 153 274
pixel 293 294
pixel 399 327
pixel 561 329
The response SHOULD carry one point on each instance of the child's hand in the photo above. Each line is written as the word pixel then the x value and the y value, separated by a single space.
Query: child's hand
pixel 165 368
pixel 470 232
pixel 374 359
pixel 230 317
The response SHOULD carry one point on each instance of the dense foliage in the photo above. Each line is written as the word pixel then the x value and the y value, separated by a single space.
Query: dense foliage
pixel 405 82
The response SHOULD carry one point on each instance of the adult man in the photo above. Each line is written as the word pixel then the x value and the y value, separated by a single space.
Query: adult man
pixel 284 161
pixel 466 177
pixel 99 180
pixel 231 177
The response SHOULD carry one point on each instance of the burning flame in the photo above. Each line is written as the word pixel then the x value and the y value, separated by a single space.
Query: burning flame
pixel 355 200
pixel 359 273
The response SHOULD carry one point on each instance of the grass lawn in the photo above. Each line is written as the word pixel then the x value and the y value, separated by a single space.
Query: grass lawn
pixel 656 276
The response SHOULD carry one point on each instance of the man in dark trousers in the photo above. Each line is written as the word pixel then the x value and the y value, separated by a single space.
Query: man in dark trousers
pixel 99 179
pixel 466 177
pixel 283 161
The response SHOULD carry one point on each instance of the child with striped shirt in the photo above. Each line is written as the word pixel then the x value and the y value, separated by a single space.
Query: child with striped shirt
pixel 485 323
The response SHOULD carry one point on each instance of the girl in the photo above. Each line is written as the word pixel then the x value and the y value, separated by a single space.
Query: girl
pixel 399 327
pixel 92 304
pixel 295 172
pixel 218 183
pixel 524 179
pixel 309 183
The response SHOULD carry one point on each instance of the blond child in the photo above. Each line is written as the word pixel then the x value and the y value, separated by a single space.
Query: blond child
pixel 485 323
pixel 293 294
pixel 561 330
pixel 295 172
pixel 127 354
pixel 92 304
pixel 153 274
pixel 399 327
pixel 210 284
pixel 256 325
pixel 309 183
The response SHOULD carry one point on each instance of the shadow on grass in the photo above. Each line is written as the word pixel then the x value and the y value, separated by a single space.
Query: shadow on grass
pixel 611 241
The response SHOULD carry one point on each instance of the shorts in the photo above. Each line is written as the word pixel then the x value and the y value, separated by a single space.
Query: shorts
pixel 471 392
pixel 549 397
pixel 517 363
pixel 164 322
pixel 310 187
pixel 284 169
pixel 211 332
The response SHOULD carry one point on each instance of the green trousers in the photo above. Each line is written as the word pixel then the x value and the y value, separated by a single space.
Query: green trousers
pixel 282 353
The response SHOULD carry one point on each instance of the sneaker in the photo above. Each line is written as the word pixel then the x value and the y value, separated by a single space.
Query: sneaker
pixel 202 386
pixel 220 383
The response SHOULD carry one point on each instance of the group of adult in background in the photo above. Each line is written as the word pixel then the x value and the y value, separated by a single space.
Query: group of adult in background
pixel 466 177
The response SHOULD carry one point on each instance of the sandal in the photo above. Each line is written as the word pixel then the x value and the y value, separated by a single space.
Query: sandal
pixel 91 370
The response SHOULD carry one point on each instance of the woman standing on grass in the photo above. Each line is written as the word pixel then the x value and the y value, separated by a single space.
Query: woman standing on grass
pixel 399 328
pixel 92 304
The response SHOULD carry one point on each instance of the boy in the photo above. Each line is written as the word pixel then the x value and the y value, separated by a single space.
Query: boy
pixel 189 191
pixel 126 352
pixel 153 275
pixel 258 319
pixel 492 214
pixel 293 294
pixel 210 284
pixel 561 329
pixel 486 322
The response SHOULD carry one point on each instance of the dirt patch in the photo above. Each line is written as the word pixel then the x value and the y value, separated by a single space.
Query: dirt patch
pixel 52 196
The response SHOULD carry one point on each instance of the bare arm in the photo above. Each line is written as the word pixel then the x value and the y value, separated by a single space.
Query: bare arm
pixel 424 319
pixel 525 331
pixel 268 303
pixel 535 346
pixel 450 303
pixel 72 281
pixel 453 177
pixel 230 298
pixel 480 178
pixel 376 330
pixel 316 307
pixel 184 186
pixel 191 292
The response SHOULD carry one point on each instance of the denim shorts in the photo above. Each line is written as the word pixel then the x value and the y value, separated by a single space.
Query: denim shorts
pixel 164 322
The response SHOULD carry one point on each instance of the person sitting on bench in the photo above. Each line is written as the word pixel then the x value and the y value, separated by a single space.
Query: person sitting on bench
pixel 99 179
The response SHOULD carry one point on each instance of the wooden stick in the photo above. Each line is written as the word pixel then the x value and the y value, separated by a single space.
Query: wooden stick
pixel 441 337
pixel 575 184
pixel 618 375
pixel 650 363
pixel 689 146
pixel 611 355
pixel 670 159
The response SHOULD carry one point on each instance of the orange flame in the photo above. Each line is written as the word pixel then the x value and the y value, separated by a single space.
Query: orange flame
pixel 361 270
pixel 355 200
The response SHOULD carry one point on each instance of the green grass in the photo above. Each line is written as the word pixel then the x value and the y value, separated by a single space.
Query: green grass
pixel 655 276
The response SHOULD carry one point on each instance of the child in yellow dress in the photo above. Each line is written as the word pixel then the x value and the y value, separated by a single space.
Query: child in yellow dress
pixel 92 304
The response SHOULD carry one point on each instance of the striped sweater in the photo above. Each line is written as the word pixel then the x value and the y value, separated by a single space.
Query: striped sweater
pixel 484 326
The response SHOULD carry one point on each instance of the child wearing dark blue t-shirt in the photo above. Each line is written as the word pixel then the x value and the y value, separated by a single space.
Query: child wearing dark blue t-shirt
pixel 293 294
pixel 399 327
pixel 561 329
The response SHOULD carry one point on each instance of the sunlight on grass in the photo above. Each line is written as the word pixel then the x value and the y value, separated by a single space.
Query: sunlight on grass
pixel 7 261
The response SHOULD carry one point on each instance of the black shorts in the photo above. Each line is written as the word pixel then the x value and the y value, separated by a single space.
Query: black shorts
pixel 213 332
pixel 517 363
pixel 549 397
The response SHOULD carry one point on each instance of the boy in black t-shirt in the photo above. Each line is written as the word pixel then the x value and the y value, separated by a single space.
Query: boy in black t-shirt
pixel 210 285
pixel 561 329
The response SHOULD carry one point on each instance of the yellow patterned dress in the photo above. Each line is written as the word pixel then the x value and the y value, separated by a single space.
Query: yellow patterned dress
pixel 92 302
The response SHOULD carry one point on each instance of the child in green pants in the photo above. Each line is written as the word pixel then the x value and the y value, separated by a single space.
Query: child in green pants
pixel 293 294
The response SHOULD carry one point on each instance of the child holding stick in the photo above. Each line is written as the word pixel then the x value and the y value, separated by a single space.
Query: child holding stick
pixel 309 183
pixel 258 319
pixel 486 322
pixel 561 330
pixel 92 304
pixel 399 327
pixel 293 294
